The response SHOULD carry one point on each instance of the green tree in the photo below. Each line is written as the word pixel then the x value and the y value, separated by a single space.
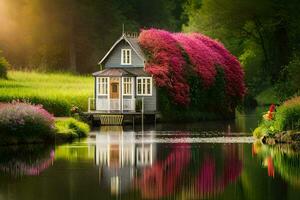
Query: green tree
pixel 262 33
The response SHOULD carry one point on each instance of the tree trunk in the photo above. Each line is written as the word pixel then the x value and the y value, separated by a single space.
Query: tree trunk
pixel 282 51
pixel 258 26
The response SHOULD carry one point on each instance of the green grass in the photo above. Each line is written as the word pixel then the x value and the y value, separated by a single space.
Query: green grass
pixel 57 92
pixel 288 115
pixel 267 97
pixel 70 128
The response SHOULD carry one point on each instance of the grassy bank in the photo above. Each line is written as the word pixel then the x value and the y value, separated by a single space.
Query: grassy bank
pixel 57 92
pixel 69 129
pixel 286 119
pixel 23 123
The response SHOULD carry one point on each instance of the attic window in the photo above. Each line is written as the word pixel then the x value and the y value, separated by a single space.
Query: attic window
pixel 126 56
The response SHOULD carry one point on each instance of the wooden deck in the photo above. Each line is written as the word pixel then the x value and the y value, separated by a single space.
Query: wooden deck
pixel 109 117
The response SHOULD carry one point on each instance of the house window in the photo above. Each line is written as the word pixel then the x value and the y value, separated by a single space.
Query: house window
pixel 102 85
pixel 144 86
pixel 126 57
pixel 127 85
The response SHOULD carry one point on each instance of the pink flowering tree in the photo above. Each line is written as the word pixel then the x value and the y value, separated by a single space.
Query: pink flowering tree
pixel 194 70
pixel 166 63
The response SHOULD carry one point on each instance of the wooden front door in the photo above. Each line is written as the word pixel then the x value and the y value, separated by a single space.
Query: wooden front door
pixel 114 88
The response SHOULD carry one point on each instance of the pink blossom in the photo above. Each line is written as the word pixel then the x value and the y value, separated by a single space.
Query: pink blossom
pixel 169 67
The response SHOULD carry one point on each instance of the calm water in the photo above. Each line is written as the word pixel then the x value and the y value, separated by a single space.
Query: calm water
pixel 209 160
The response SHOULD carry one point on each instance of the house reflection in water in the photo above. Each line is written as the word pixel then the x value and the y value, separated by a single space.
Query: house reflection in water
pixel 121 156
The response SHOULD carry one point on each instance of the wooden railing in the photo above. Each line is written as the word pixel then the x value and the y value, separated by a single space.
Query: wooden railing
pixel 111 105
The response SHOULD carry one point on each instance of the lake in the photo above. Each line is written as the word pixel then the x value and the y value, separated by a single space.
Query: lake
pixel 207 160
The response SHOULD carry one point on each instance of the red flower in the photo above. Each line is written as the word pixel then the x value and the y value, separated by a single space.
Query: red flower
pixel 272 108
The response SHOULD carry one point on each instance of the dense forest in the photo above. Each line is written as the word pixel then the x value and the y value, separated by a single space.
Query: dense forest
pixel 72 35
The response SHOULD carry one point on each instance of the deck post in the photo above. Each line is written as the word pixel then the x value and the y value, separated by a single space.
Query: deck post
pixel 143 114
pixel 108 93
pixel 121 100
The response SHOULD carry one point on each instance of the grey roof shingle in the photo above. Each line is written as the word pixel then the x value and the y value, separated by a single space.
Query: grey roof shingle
pixel 122 72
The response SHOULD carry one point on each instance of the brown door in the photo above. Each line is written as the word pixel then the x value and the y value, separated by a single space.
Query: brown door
pixel 114 89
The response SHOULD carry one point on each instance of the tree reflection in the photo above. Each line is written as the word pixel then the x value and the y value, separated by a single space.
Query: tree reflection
pixel 160 179
pixel 282 159
pixel 28 160
pixel 193 170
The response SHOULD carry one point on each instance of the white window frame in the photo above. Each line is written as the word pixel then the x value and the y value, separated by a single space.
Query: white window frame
pixel 102 83
pixel 124 86
pixel 144 81
pixel 127 54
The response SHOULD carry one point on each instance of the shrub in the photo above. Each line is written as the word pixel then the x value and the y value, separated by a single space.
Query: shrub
pixel 288 115
pixel 3 67
pixel 25 122
pixel 166 63
pixel 196 76
pixel 173 58
pixel 71 128
pixel 259 132
pixel 205 103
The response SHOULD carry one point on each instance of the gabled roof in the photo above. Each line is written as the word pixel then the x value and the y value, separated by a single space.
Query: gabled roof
pixel 132 41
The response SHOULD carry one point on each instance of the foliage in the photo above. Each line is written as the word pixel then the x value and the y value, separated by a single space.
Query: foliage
pixel 267 97
pixel 175 57
pixel 259 132
pixel 263 34
pixel 166 63
pixel 68 129
pixel 78 42
pixel 289 83
pixel 57 92
pixel 3 67
pixel 25 122
pixel 266 127
pixel 288 115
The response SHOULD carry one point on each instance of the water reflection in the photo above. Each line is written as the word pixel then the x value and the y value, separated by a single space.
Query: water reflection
pixel 119 156
pixel 129 161
pixel 120 164
pixel 283 160
pixel 26 160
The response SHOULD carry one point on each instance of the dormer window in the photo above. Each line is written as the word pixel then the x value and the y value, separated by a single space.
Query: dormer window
pixel 126 56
